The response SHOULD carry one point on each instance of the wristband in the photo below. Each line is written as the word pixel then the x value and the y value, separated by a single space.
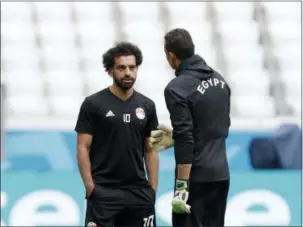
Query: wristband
pixel 182 185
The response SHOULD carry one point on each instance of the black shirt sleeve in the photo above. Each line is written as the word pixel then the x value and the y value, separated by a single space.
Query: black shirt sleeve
pixel 152 121
pixel 85 122
pixel 181 119
pixel 229 94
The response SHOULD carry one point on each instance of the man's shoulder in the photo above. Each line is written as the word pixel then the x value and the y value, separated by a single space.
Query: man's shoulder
pixel 176 82
pixel 144 98
pixel 180 84
pixel 218 75
pixel 96 99
pixel 97 95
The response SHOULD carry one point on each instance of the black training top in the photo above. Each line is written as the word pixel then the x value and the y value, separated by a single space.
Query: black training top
pixel 198 100
pixel 119 129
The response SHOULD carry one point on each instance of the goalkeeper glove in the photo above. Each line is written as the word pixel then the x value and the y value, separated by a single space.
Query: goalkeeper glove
pixel 179 202
pixel 161 139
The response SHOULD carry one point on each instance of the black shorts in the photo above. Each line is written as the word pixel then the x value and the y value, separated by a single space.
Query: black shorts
pixel 208 204
pixel 108 207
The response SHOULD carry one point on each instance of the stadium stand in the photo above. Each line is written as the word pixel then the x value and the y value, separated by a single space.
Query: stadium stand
pixel 52 51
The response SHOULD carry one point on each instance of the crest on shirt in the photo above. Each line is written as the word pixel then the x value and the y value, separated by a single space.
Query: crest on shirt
pixel 140 113
pixel 91 224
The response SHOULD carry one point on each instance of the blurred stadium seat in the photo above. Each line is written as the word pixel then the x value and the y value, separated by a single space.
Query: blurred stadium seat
pixel 100 12
pixel 16 12
pixel 95 81
pixel 255 106
pixel 27 106
pixel 226 11
pixel 283 11
pixel 17 33
pixel 139 11
pixel 249 82
pixel 53 11
pixel 54 49
pixel 64 82
pixel 20 57
pixel 180 12
pixel 65 106
pixel 19 85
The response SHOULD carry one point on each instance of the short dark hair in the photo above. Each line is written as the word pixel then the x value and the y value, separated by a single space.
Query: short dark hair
pixel 121 49
pixel 179 42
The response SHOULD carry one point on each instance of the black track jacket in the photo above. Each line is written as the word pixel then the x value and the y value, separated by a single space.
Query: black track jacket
pixel 198 101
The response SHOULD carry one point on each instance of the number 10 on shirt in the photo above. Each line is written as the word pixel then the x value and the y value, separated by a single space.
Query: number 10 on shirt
pixel 126 118
pixel 149 221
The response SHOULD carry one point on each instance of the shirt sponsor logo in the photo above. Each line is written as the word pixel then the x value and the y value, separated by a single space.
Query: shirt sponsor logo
pixel 110 114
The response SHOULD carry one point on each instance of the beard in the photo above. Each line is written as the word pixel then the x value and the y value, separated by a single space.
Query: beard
pixel 124 83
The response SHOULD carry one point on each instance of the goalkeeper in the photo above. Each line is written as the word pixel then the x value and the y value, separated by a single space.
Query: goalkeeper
pixel 198 101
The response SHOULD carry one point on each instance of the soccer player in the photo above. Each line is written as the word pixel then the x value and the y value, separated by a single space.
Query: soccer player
pixel 113 130
pixel 198 100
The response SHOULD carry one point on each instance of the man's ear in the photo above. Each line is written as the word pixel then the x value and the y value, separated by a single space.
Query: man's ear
pixel 171 55
pixel 110 72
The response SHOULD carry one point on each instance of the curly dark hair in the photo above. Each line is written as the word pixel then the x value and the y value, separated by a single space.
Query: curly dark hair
pixel 121 49
pixel 179 42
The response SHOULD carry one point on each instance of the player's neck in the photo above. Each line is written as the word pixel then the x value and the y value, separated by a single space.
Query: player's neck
pixel 122 94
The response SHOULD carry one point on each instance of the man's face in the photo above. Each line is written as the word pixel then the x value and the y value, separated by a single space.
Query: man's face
pixel 124 71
